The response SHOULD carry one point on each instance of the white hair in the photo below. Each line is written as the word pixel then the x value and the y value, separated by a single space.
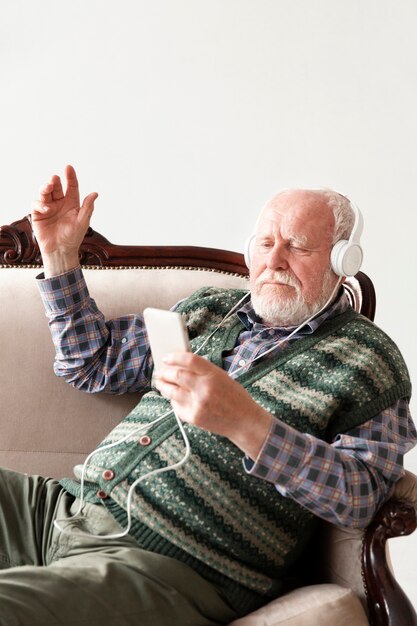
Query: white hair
pixel 343 212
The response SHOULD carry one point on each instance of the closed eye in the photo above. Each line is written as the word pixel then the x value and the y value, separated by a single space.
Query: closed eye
pixel 299 249
pixel 265 244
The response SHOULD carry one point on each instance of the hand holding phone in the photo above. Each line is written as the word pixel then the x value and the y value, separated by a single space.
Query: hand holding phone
pixel 166 332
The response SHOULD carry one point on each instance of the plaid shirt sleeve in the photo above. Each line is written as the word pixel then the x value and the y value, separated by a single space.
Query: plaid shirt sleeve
pixel 93 354
pixel 343 482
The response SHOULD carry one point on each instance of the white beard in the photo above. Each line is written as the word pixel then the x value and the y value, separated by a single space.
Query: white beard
pixel 290 310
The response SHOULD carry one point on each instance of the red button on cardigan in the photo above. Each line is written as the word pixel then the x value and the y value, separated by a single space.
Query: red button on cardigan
pixel 108 474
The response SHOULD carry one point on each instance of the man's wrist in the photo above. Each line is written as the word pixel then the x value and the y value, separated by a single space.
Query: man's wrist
pixel 251 439
pixel 64 293
pixel 59 262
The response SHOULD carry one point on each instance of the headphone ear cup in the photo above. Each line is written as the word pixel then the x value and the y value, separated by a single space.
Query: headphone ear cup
pixel 337 254
pixel 346 258
pixel 249 243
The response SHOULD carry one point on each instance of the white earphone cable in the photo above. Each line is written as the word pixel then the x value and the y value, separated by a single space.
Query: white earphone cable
pixel 235 373
pixel 78 514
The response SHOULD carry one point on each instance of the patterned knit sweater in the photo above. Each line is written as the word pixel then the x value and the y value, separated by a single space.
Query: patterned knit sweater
pixel 233 528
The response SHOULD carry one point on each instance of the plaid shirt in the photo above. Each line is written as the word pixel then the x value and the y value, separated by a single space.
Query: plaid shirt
pixel 343 482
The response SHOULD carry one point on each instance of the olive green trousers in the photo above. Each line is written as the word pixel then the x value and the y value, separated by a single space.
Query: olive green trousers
pixel 50 578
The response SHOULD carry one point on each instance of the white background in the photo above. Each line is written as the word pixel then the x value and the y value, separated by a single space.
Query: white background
pixel 187 115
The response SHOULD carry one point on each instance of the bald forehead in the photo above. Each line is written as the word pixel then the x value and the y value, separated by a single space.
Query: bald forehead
pixel 304 209
pixel 306 202
pixel 307 198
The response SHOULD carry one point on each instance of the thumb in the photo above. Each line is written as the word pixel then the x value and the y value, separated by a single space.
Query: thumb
pixel 87 208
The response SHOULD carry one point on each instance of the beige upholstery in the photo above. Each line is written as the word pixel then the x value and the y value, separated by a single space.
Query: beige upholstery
pixel 47 427
pixel 316 605
pixel 406 488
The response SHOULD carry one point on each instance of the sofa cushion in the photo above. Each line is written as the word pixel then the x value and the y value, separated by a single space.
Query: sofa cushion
pixel 327 605
pixel 406 488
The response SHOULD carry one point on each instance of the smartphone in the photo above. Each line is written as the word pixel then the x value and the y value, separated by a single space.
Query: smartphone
pixel 167 333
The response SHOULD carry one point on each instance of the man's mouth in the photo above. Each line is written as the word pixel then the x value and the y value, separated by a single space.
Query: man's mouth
pixel 276 283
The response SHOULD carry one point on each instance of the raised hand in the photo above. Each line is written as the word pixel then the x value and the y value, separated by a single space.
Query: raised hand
pixel 60 223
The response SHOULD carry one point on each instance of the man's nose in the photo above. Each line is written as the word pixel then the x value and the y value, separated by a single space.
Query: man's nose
pixel 277 257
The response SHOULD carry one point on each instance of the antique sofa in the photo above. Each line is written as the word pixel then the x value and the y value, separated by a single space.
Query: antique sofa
pixel 47 427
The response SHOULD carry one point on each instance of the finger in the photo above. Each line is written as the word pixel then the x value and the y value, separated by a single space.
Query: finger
pixel 57 191
pixel 39 211
pixel 172 392
pixel 39 207
pixel 45 193
pixel 176 376
pixel 87 208
pixel 72 184
pixel 188 360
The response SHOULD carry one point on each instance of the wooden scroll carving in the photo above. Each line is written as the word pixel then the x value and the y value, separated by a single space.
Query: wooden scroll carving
pixel 18 247
pixel 388 605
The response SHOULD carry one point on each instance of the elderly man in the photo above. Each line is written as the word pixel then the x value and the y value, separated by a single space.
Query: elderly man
pixel 294 408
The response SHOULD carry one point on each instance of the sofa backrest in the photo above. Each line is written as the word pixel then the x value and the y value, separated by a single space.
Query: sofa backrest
pixel 47 426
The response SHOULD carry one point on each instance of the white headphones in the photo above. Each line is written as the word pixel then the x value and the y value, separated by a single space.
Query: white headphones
pixel 346 255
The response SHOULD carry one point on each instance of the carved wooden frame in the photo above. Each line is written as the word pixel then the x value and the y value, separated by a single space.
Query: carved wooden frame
pixel 387 603
pixel 18 248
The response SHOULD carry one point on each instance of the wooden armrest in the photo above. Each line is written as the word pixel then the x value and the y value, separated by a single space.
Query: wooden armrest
pixel 388 605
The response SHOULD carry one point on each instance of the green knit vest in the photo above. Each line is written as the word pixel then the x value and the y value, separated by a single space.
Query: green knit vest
pixel 233 528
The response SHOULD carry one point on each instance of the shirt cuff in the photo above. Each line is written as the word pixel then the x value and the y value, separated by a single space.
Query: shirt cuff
pixel 63 293
pixel 283 453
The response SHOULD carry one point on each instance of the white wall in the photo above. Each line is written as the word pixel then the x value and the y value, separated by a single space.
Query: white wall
pixel 186 115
